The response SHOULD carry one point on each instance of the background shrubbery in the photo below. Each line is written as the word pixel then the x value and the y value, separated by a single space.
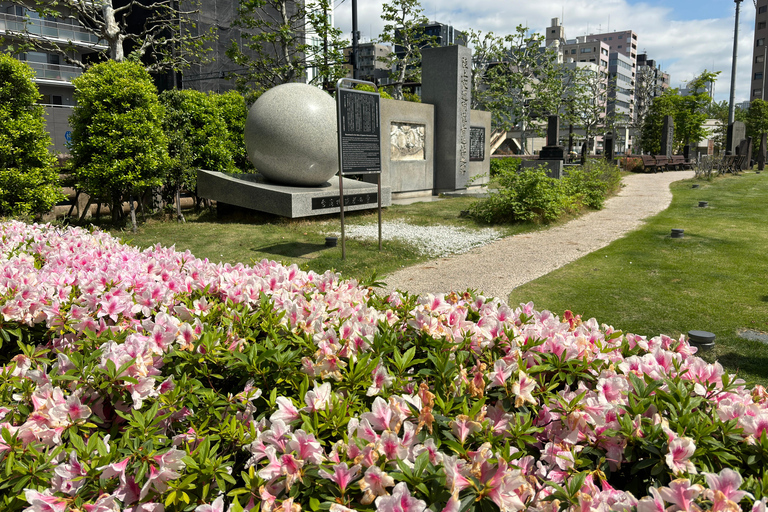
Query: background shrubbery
pixel 531 196
pixel 28 180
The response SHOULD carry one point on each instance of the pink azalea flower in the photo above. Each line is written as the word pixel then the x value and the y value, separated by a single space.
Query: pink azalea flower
pixel 105 503
pixel 463 426
pixel 381 379
pixel 216 506
pixel 727 482
pixel 286 411
pixel 43 502
pixel 501 373
pixel 453 505
pixel 318 398
pixel 374 484
pixel 682 494
pixel 380 416
pixel 400 501
pixel 680 450
pixel 523 389
pixel 342 475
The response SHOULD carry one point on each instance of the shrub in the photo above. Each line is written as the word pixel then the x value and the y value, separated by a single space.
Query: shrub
pixel 633 164
pixel 504 164
pixel 369 88
pixel 153 380
pixel 197 137
pixel 526 196
pixel 29 183
pixel 590 185
pixel 233 110
pixel 118 145
pixel 531 196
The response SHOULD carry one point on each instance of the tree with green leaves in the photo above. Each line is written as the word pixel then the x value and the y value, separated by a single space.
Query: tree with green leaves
pixel 756 120
pixel 168 39
pixel 197 139
pixel 404 29
pixel 118 146
pixel 491 79
pixel 282 40
pixel 586 106
pixel 234 111
pixel 29 183
pixel 688 112
pixel 691 110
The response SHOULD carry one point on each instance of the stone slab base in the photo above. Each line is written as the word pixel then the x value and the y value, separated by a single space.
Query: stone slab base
pixel 253 192
pixel 554 168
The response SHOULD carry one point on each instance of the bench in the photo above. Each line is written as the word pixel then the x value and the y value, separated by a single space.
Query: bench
pixel 649 162
pixel 678 162
pixel 663 162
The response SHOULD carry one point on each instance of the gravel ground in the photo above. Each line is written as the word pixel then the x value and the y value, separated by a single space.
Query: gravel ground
pixel 499 267
pixel 435 241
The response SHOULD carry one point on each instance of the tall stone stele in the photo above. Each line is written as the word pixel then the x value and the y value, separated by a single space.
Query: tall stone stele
pixel 446 76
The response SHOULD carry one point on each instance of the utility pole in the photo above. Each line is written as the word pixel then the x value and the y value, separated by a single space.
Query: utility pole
pixel 355 42
pixel 731 104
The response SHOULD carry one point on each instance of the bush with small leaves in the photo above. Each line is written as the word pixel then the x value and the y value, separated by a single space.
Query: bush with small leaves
pixel 29 183
pixel 118 145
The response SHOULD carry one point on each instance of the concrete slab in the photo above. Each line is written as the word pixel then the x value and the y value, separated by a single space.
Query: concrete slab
pixel 253 192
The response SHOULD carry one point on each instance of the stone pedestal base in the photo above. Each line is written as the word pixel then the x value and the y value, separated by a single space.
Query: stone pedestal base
pixel 554 168
pixel 253 192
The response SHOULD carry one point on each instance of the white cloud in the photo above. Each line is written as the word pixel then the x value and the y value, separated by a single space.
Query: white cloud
pixel 684 47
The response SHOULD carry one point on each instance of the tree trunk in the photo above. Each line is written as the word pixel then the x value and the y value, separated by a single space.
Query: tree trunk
pixel 179 215
pixel 86 209
pixel 112 32
pixel 134 228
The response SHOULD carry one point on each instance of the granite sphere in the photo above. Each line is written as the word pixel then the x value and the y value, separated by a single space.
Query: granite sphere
pixel 291 135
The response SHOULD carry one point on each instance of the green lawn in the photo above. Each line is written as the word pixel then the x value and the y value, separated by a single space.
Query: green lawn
pixel 253 237
pixel 714 279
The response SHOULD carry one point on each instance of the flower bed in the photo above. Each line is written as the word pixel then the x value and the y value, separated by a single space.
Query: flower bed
pixel 151 380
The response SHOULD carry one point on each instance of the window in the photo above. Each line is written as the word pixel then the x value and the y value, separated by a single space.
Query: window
pixel 758 75
pixel 591 60
pixel 610 39
pixel 760 25
pixel 553 31
pixel 755 92
pixel 619 47
pixel 573 51
pixel 759 59
pixel 762 9
pixel 586 50
pixel 604 51
pixel 760 42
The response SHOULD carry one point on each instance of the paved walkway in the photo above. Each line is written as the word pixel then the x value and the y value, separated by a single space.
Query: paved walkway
pixel 497 268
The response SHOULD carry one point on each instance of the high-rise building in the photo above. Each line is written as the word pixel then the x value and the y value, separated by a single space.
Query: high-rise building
pixel 760 53
pixel 650 82
pixel 370 67
pixel 53 74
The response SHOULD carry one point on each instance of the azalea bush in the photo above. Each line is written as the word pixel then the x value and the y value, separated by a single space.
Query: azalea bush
pixel 150 380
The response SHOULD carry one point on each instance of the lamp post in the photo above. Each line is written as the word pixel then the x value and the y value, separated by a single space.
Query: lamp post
pixel 355 41
pixel 731 105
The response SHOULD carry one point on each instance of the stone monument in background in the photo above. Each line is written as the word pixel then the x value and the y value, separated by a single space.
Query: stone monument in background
pixel 291 139
pixel 737 132
pixel 553 154
pixel 608 146
pixel 446 74
pixel 761 152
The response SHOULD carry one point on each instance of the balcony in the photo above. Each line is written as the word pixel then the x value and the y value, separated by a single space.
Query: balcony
pixel 43 29
pixel 54 72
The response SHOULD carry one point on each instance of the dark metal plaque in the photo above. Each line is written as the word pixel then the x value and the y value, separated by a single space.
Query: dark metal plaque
pixel 359 132
pixel 476 144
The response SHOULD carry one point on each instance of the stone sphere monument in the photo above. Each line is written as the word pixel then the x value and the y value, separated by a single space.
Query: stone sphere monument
pixel 291 135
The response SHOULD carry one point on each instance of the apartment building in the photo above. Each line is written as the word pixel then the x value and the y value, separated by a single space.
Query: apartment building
pixel 53 74
pixel 650 82
pixel 369 64
pixel 758 89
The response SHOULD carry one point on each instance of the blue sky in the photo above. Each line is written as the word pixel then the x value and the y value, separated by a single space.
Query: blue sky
pixel 685 36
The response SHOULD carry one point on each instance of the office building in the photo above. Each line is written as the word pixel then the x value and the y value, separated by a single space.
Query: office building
pixel 758 89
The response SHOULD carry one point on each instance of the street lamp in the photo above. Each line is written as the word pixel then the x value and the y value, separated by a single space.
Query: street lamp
pixel 731 105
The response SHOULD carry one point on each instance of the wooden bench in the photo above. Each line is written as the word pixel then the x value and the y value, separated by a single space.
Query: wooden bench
pixel 663 162
pixel 679 163
pixel 649 162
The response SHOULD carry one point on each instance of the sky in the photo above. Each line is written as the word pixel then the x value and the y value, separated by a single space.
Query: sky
pixel 684 36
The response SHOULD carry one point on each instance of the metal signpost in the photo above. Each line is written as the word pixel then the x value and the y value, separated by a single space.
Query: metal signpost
pixel 359 121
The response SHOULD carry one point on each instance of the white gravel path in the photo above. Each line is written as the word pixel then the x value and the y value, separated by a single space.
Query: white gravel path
pixel 499 267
